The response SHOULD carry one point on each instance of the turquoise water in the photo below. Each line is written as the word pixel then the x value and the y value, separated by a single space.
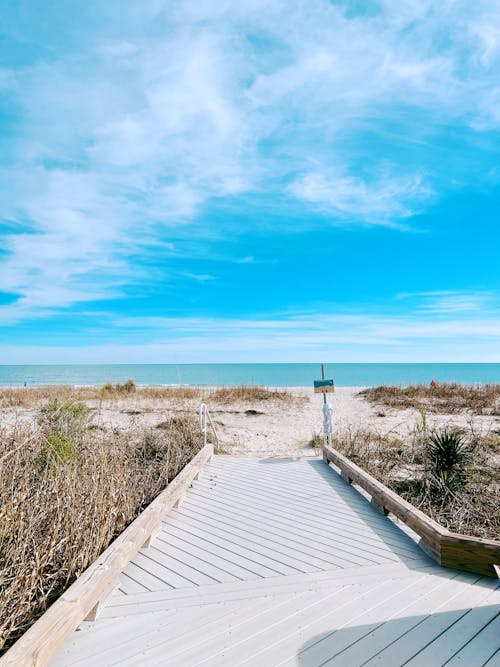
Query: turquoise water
pixel 275 375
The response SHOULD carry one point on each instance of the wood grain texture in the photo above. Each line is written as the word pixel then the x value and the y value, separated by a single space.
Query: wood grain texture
pixel 460 552
pixel 42 641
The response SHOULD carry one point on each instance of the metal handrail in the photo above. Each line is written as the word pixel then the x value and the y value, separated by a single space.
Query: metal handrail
pixel 206 419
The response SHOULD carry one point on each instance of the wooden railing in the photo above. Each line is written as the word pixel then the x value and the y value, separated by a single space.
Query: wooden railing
pixel 81 601
pixel 460 552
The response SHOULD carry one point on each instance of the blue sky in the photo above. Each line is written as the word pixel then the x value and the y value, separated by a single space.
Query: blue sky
pixel 209 180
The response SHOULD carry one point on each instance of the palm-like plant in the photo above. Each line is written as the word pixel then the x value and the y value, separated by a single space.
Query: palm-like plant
pixel 449 456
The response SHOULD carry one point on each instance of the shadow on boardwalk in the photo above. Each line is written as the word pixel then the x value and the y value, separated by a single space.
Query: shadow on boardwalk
pixel 468 637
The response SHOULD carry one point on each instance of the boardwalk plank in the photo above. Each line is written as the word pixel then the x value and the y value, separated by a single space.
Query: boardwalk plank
pixel 202 552
pixel 292 527
pixel 458 635
pixel 444 615
pixel 329 532
pixel 331 632
pixel 373 527
pixel 268 564
pixel 481 649
pixel 229 531
pixel 267 557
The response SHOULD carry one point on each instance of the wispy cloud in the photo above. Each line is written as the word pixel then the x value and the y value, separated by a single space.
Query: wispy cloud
pixel 385 200
pixel 341 337
pixel 121 143
pixel 444 302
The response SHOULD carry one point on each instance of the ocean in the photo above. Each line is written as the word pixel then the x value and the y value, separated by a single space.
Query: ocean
pixel 273 375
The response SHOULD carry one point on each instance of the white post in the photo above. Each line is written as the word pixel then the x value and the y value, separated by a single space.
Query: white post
pixel 327 414
pixel 203 422
pixel 327 421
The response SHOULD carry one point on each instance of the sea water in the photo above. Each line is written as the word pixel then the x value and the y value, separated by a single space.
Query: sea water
pixel 273 375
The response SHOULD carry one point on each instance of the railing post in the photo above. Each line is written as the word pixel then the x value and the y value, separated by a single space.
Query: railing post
pixel 203 422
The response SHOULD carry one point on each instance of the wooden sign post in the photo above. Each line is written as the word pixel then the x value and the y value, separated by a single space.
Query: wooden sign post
pixel 325 387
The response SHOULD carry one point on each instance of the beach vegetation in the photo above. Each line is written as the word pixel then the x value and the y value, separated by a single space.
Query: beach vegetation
pixel 438 397
pixel 252 393
pixel 58 450
pixel 29 397
pixel 34 397
pixel 175 392
pixel 452 474
pixel 448 455
pixel 118 389
pixel 316 441
pixel 63 417
pixel 66 491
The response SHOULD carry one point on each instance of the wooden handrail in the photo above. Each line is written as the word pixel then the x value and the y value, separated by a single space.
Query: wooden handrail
pixel 460 552
pixel 81 600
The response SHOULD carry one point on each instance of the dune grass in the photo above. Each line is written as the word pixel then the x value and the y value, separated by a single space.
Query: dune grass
pixel 250 393
pixel 33 397
pixel 442 397
pixel 66 491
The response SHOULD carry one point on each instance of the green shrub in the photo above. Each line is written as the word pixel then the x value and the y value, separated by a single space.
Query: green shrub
pixel 63 417
pixel 58 449
pixel 448 456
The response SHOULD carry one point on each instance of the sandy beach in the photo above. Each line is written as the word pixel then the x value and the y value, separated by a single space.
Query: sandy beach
pixel 270 427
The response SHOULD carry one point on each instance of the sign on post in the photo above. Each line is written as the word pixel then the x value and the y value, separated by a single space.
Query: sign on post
pixel 324 386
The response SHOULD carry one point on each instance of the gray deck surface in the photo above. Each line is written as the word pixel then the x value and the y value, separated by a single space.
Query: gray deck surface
pixel 280 562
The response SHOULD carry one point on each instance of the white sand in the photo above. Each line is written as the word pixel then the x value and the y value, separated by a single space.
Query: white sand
pixel 286 431
pixel 282 429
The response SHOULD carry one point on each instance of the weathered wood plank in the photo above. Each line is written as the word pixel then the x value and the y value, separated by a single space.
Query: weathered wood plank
pixel 463 553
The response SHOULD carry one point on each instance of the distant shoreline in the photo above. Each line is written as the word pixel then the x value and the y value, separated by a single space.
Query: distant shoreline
pixel 231 374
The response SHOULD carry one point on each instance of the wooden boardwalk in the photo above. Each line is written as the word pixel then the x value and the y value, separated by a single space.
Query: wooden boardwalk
pixel 280 562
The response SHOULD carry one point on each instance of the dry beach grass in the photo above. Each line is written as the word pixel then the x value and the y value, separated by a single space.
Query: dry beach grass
pixel 29 397
pixel 440 397
pixel 67 490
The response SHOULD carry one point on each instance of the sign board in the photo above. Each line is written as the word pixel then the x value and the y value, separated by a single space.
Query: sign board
pixel 323 386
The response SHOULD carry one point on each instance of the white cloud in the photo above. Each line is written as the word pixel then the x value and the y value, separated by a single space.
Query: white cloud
pixel 381 201
pixel 119 142
pixel 309 337
pixel 449 301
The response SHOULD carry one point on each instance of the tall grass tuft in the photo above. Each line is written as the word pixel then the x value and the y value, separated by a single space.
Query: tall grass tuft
pixel 118 389
pixel 59 449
